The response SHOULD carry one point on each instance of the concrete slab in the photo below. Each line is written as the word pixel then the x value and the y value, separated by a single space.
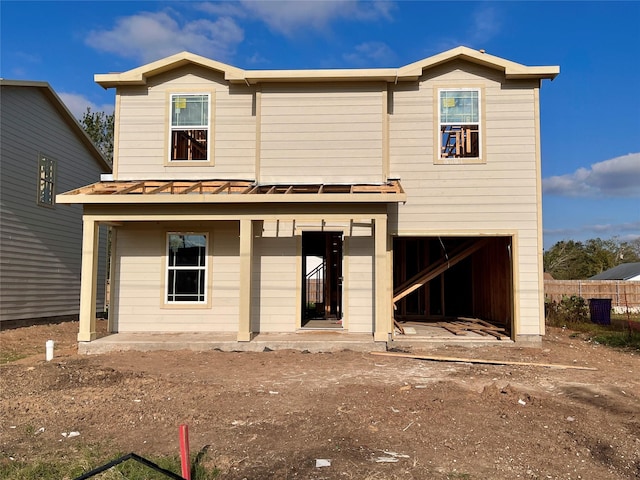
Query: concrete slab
pixel 314 341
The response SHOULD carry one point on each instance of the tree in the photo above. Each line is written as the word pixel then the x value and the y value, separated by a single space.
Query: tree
pixel 99 127
pixel 571 260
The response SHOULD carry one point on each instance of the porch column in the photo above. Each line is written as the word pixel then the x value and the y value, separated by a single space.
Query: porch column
pixel 112 235
pixel 246 258
pixel 382 292
pixel 88 280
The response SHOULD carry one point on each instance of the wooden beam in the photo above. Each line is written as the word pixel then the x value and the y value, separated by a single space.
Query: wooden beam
pixel 193 187
pixel 131 188
pixel 439 267
pixel 480 360
pixel 220 188
pixel 161 188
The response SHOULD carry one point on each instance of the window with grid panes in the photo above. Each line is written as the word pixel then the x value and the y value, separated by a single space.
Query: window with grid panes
pixel 186 268
pixel 459 123
pixel 189 127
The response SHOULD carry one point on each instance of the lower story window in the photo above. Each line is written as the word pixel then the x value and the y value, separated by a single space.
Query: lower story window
pixel 186 268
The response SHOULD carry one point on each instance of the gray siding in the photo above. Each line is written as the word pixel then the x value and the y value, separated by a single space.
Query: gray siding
pixel 40 247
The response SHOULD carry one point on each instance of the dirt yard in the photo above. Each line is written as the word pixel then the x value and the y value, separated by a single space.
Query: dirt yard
pixel 271 415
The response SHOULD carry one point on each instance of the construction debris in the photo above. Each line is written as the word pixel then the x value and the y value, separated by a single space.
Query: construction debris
pixel 463 325
pixel 479 360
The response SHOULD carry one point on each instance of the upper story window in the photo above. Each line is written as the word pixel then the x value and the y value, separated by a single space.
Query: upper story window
pixel 186 268
pixel 189 127
pixel 46 181
pixel 459 123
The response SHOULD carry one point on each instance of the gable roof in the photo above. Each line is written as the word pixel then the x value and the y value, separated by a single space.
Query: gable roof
pixel 65 114
pixel 411 72
pixel 624 271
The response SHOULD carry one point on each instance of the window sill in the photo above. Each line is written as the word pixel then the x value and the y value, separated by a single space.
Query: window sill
pixel 186 306
pixel 189 163
pixel 460 161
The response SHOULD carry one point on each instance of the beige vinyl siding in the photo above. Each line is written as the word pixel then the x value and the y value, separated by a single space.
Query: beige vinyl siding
pixel 138 292
pixel 40 247
pixel 143 128
pixel 321 133
pixel 275 282
pixel 497 196
pixel 360 305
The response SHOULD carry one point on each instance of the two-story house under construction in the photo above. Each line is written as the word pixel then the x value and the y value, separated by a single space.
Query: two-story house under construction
pixel 251 202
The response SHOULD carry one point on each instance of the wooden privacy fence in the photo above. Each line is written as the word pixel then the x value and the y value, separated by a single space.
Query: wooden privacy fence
pixel 621 293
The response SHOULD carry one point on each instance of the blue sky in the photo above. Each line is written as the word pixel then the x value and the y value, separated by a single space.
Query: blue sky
pixel 590 114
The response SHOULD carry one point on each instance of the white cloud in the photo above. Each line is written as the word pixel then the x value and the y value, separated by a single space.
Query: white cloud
pixel 78 104
pixel 624 232
pixel 482 25
pixel 149 36
pixel 618 177
pixel 486 25
pixel 615 229
pixel 370 52
pixel 288 16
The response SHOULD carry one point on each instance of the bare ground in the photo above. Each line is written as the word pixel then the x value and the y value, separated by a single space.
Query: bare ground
pixel 270 415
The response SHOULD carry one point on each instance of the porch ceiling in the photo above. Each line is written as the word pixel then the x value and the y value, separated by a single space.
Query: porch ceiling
pixel 230 191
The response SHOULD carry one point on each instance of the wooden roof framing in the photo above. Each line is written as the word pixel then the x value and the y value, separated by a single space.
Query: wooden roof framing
pixel 221 191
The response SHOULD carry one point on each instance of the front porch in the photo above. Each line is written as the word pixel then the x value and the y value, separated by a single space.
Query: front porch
pixel 417 336
pixel 314 341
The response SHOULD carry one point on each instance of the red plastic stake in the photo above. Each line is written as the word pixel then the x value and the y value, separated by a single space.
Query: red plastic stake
pixel 184 452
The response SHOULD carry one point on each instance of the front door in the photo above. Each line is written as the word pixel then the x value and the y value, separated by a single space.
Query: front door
pixel 322 282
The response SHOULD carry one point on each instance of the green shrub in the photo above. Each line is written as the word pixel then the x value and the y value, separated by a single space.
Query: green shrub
pixel 570 310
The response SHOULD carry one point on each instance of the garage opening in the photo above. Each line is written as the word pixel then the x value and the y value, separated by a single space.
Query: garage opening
pixel 460 286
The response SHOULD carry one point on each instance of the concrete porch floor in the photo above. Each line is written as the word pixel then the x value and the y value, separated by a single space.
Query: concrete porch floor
pixel 310 340
pixel 418 336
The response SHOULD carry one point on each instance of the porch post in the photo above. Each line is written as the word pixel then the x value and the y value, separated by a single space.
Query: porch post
pixel 382 292
pixel 112 234
pixel 88 280
pixel 246 258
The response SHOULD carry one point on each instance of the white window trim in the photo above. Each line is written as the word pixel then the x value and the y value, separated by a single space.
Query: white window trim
pixel 205 268
pixel 207 127
pixel 439 159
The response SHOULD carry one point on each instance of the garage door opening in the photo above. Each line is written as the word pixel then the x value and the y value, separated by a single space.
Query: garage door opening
pixel 460 286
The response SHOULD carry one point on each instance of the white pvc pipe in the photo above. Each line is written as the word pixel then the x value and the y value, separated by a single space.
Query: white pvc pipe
pixel 49 350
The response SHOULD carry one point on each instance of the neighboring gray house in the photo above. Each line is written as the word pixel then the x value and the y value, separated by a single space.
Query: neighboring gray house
pixel 43 151
pixel 625 271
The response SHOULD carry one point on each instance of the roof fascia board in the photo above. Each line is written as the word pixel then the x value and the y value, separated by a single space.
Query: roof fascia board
pixel 264 76
pixel 139 76
pixel 512 70
pixel 411 72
